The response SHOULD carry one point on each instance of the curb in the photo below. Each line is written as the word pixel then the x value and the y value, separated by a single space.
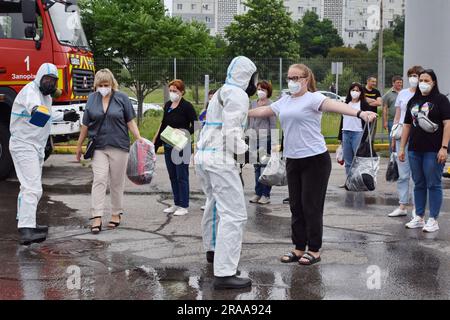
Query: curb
pixel 64 149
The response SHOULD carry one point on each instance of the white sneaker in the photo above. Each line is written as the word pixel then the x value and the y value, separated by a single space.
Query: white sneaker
pixel 431 226
pixel 264 200
pixel 172 209
pixel 416 222
pixel 398 213
pixel 255 199
pixel 180 212
pixel 203 208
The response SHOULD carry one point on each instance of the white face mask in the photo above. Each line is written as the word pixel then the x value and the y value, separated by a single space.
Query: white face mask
pixel 413 82
pixel 262 94
pixel 425 88
pixel 355 94
pixel 104 91
pixel 294 87
pixel 174 97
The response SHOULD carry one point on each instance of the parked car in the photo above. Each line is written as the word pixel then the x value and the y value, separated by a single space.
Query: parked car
pixel 145 107
pixel 333 96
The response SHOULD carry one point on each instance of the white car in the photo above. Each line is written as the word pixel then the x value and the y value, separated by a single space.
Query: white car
pixel 145 106
pixel 333 96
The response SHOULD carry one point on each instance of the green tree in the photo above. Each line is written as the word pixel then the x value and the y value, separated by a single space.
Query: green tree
pixel 315 37
pixel 138 41
pixel 345 80
pixel 265 31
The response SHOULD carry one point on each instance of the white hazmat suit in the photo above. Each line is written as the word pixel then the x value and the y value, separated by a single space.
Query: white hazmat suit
pixel 27 145
pixel 221 137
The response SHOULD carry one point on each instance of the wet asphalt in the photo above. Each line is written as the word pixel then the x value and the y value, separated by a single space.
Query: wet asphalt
pixel 152 255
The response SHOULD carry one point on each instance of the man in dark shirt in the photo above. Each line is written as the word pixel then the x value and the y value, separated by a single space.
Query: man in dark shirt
pixel 373 96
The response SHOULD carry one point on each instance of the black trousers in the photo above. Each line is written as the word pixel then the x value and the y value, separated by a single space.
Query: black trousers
pixel 307 183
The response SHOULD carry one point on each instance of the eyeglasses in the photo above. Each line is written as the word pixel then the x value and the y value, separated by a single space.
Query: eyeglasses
pixel 295 78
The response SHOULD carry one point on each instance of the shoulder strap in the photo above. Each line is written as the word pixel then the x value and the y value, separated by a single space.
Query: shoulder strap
pixel 106 113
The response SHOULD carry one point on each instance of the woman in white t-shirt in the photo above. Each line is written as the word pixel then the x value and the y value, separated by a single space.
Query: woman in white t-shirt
pixel 352 129
pixel 308 165
pixel 404 182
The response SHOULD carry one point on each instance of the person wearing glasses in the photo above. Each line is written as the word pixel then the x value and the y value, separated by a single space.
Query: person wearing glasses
pixel 308 164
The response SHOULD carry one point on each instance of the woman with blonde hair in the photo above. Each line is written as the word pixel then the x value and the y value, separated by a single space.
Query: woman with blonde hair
pixel 108 117
pixel 308 163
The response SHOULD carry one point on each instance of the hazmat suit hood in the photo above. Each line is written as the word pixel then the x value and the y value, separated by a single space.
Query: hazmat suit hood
pixel 240 72
pixel 47 69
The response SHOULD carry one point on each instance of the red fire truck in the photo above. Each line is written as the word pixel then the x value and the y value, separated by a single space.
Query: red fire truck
pixel 33 32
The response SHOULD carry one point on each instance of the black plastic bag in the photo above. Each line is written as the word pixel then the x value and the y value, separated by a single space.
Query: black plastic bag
pixel 392 174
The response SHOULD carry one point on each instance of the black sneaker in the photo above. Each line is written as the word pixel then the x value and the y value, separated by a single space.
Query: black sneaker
pixel 232 282
pixel 31 235
pixel 286 201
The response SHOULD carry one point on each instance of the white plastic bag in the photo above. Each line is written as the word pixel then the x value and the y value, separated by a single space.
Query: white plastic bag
pixel 396 131
pixel 340 155
pixel 141 162
pixel 274 173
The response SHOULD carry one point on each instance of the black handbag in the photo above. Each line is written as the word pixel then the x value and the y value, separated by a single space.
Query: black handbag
pixel 90 148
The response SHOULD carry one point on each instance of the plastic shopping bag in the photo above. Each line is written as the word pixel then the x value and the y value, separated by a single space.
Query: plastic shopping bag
pixel 364 168
pixel 141 162
pixel 274 173
pixel 340 155
pixel 392 174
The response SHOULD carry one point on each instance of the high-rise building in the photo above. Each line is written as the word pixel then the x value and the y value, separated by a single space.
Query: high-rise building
pixel 199 10
pixel 357 21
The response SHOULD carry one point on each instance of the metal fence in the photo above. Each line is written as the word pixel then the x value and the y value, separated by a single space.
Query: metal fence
pixel 157 72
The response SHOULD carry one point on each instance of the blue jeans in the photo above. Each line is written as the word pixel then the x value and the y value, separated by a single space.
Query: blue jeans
pixel 390 124
pixel 261 189
pixel 404 187
pixel 350 144
pixel 179 178
pixel 427 176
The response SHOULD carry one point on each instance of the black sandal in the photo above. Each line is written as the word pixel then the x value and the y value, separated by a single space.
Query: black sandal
pixel 291 257
pixel 311 259
pixel 99 227
pixel 113 225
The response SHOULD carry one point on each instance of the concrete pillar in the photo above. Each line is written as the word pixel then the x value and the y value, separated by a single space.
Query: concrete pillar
pixel 427 38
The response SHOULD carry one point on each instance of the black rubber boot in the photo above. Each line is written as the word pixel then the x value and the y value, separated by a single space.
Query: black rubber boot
pixel 42 228
pixel 210 256
pixel 31 235
pixel 232 282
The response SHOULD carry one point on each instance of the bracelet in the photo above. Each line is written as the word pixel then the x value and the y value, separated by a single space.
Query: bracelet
pixel 445 147
pixel 358 114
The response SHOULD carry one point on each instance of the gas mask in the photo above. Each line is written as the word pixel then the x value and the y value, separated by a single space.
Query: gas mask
pixel 48 85
pixel 252 85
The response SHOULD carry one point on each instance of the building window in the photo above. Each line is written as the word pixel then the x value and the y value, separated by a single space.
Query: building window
pixel 314 9
pixel 208 19
pixel 300 10
pixel 193 6
pixel 179 6
pixel 206 7
pixel 350 34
